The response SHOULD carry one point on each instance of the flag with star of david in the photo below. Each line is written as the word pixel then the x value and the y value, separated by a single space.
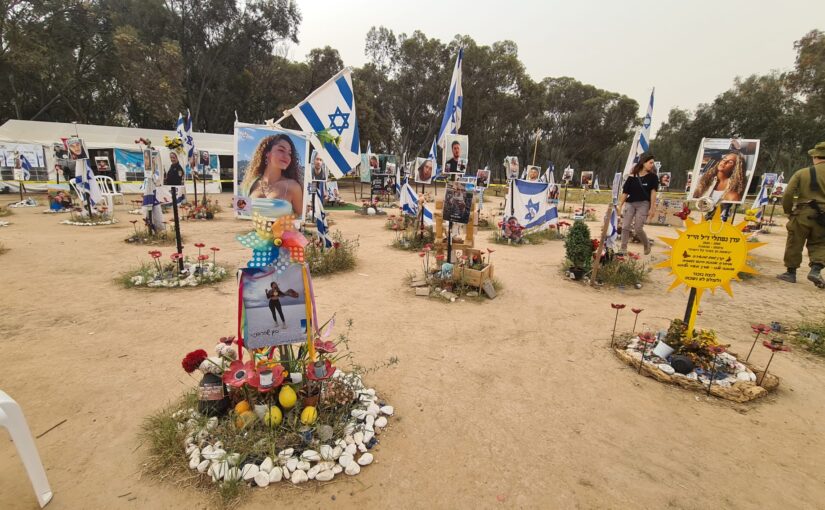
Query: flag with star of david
pixel 331 109
pixel 529 205
pixel 641 140
pixel 451 122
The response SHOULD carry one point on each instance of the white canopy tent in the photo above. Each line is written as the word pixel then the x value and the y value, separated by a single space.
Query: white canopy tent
pixel 18 133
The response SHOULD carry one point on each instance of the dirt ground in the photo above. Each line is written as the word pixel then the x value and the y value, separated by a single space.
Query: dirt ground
pixel 512 403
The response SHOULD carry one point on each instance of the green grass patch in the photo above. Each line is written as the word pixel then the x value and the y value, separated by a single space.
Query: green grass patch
pixel 341 257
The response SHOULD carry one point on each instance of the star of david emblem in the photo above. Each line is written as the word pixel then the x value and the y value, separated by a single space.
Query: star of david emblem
pixel 333 125
pixel 532 210
pixel 647 121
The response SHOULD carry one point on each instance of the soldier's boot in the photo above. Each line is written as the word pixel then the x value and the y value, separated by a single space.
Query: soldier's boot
pixel 788 276
pixel 815 276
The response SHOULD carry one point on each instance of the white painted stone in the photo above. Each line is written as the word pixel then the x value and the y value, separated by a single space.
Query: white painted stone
pixel 249 471
pixel 337 469
pixel 358 437
pixel 350 449
pixel 232 474
pixel 345 460
pixel 365 459
pixel 275 475
pixel 194 462
pixel 203 466
pixel 292 464
pixel 381 422
pixel 325 452
pixel 313 471
pixel 267 465
pixel 303 465
pixel 388 410
pixel 352 469
pixel 325 476
pixel 262 479
pixel 299 477
pixel 337 451
pixel 311 455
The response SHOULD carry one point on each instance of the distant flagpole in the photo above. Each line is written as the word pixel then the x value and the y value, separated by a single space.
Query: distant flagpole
pixel 641 140
pixel 451 121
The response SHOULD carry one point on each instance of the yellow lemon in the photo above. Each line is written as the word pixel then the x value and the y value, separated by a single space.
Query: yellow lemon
pixel 287 397
pixel 273 417
pixel 309 415
pixel 242 407
pixel 245 419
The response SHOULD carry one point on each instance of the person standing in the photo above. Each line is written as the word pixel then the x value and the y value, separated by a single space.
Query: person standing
pixel 806 221
pixel 273 295
pixel 638 201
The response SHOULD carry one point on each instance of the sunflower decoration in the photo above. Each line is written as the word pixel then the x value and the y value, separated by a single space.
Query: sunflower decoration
pixel 173 143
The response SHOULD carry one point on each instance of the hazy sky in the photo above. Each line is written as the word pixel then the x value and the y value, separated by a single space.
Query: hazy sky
pixel 690 51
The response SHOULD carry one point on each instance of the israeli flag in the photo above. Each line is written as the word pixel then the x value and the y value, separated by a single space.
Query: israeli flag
pixel 429 221
pixel 548 176
pixel 409 200
pixel 331 109
pixel 85 177
pixel 530 205
pixel 433 156
pixel 451 121
pixel 761 201
pixel 321 221
pixel 184 131
pixel 27 167
pixel 612 230
pixel 641 141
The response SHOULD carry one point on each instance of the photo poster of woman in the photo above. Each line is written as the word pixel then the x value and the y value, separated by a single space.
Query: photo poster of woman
pixel 271 163
pixel 587 179
pixel 148 166
pixel 512 167
pixel 458 203
pixel 274 304
pixel 456 151
pixel 724 169
pixel 76 148
pixel 102 165
pixel 424 170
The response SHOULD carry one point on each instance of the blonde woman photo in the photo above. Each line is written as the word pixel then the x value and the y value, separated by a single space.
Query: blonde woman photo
pixel 274 172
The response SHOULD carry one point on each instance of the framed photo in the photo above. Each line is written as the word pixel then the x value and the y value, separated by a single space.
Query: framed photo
pixel 458 203
pixel 148 164
pixel 482 178
pixel 424 170
pixel 664 180
pixel 241 204
pixel 532 173
pixel 512 167
pixel 76 149
pixel 553 193
pixel 366 169
pixel 724 169
pixel 567 176
pixel 318 170
pixel 175 174
pixel 271 163
pixel 275 306
pixel 102 164
pixel 587 179
pixel 769 180
pixel 204 161
pixel 689 182
pixel 60 197
pixel 455 154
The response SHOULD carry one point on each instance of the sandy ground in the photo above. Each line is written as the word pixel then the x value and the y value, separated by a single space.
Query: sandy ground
pixel 513 403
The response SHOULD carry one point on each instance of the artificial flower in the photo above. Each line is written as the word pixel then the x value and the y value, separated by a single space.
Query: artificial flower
pixel 776 345
pixel 327 347
pixel 239 374
pixel 192 361
pixel 617 306
pixel 176 256
pixel 647 338
pixel 155 254
pixel 203 257
pixel 637 311
pixel 278 376
pixel 327 367
pixel 199 245
pixel 761 328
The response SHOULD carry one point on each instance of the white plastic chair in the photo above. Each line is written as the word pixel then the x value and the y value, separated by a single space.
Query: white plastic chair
pixel 108 190
pixel 78 193
pixel 11 417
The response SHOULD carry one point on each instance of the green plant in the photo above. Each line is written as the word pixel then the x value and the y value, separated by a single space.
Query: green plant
pixel 532 237
pixel 341 257
pixel 4 211
pixel 803 338
pixel 623 271
pixel 412 238
pixel 578 246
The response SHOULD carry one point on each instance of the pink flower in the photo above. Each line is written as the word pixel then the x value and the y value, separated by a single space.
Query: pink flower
pixel 176 256
pixel 617 306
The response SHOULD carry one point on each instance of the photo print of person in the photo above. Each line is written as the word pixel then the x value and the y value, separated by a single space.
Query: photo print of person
pixel 482 178
pixel 271 163
pixel 424 170
pixel 725 167
pixel 455 154
pixel 458 203
pixel 102 164
pixel 664 180
pixel 532 173
pixel 567 176
pixel 689 182
pixel 175 174
pixel 319 169
pixel 512 167
pixel 587 179
pixel 274 305
pixel 769 180
pixel 553 193
pixel 147 162
pixel 76 149
pixel 364 172
pixel 204 162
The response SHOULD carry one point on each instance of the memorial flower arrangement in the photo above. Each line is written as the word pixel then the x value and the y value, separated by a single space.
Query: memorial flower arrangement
pixel 163 272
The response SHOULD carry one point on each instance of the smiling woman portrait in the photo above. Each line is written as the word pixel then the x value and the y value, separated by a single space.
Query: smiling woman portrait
pixel 274 172
pixel 725 180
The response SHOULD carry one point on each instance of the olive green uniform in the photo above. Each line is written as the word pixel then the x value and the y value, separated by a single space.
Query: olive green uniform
pixel 801 226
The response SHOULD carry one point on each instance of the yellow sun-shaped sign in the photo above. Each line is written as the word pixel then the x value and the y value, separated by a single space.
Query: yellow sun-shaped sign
pixel 709 254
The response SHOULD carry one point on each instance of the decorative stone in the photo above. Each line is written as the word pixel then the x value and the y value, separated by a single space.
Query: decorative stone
pixel 313 472
pixel 267 465
pixel 284 455
pixel 203 467
pixel 365 460
pixel 388 410
pixel 325 476
pixel 336 452
pixel 664 367
pixel 234 459
pixel 373 410
pixel 191 448
pixel 358 414
pixel 368 435
pixel 232 474
pixel 275 475
pixel 261 479
pixel 325 452
pixel 345 460
pixel 337 469
pixel 358 437
pixel 311 455
pixel 349 439
pixel 194 462
pixel 381 422
pixel 352 469
pixel 292 464
pixel 249 471
pixel 303 465
pixel 350 449
pixel 362 448
pixel 299 477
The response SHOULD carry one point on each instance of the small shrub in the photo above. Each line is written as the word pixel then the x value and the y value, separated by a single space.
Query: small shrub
pixel 803 340
pixel 341 257
pixel 578 247
pixel 622 271
pixel 412 238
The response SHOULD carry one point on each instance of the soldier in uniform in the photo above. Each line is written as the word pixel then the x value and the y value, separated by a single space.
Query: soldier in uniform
pixel 806 223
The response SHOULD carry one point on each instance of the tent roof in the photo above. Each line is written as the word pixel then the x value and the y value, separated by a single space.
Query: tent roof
pixel 101 137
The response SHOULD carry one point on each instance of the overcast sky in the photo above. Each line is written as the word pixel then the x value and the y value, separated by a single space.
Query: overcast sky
pixel 690 51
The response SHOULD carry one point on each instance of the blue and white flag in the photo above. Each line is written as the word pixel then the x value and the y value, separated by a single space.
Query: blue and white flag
pixel 433 155
pixel 85 179
pixel 429 221
pixel 331 109
pixel 596 184
pixel 641 141
pixel 321 222
pixel 27 167
pixel 451 121
pixel 409 200
pixel 530 205
pixel 761 201
pixel 549 176
pixel 184 132
pixel 612 230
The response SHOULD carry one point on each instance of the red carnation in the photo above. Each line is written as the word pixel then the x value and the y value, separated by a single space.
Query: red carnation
pixel 193 360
